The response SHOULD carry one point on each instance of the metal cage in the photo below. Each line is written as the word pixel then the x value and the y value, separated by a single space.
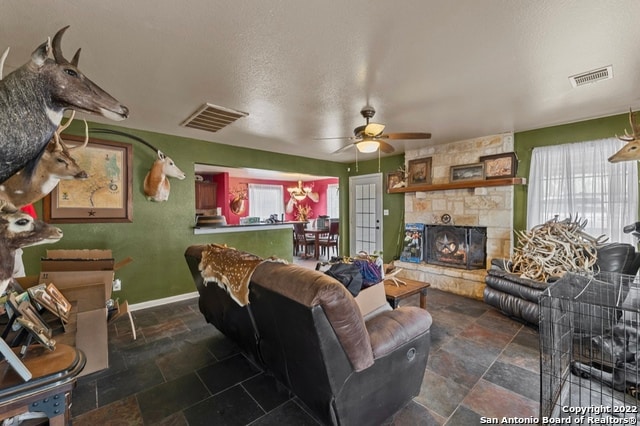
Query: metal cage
pixel 589 348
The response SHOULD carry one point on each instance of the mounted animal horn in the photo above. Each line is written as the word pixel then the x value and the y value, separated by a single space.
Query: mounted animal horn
pixel 631 151
pixel 57 48
pixel 156 183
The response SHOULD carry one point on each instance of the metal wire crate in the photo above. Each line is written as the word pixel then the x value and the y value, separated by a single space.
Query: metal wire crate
pixel 589 347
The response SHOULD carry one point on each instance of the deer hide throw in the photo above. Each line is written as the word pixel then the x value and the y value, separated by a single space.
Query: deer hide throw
pixel 231 269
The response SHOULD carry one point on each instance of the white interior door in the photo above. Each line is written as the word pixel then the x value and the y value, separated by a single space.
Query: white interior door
pixel 365 205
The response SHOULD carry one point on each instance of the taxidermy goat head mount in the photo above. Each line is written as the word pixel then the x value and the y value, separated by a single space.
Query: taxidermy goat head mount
pixel 156 182
pixel 631 151
pixel 33 99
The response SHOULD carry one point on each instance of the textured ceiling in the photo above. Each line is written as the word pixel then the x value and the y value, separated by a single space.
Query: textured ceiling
pixel 304 69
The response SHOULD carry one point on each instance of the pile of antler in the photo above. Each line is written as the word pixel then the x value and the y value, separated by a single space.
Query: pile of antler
pixel 554 248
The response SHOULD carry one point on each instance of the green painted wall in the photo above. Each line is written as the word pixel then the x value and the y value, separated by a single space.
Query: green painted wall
pixel 161 232
pixel 524 142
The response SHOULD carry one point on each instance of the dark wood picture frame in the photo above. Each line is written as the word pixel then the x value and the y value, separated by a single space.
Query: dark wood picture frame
pixel 393 179
pixel 419 172
pixel 500 165
pixel 465 172
pixel 106 196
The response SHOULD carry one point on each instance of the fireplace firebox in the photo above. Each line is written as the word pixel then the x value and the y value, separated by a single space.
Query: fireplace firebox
pixel 463 247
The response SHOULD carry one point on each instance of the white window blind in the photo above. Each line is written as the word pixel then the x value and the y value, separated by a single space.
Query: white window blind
pixel 576 179
pixel 265 200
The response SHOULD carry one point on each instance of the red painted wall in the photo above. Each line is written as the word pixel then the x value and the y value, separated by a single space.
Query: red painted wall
pixel 226 184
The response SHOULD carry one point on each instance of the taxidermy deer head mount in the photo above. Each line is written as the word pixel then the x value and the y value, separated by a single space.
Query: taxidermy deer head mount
pixel 631 151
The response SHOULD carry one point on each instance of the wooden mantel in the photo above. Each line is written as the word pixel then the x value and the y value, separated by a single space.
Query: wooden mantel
pixel 469 184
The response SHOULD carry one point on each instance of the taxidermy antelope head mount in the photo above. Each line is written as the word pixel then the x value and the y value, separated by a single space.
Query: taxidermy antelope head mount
pixel 56 164
pixel 17 230
pixel 156 182
pixel 33 99
pixel 631 151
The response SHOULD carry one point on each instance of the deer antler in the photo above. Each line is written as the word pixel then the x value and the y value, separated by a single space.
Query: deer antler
pixel 634 128
pixel 63 127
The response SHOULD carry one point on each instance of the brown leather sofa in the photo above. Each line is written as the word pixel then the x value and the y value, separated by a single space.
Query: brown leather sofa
pixel 518 297
pixel 304 328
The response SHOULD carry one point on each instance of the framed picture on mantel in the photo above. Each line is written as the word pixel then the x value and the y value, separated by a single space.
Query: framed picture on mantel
pixel 500 165
pixel 465 172
pixel 419 172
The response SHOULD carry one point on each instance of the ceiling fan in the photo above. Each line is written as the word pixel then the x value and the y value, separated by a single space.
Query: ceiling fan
pixel 370 137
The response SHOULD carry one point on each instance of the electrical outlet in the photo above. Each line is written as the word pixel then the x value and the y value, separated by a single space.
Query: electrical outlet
pixel 117 284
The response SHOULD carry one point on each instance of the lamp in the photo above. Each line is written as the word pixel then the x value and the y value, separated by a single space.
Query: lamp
pixel 368 145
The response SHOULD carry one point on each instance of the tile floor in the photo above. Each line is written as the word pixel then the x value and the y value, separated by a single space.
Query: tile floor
pixel 182 371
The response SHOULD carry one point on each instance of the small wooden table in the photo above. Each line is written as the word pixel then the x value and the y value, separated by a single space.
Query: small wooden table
pixel 395 294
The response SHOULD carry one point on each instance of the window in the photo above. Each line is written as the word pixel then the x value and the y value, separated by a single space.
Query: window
pixel 265 200
pixel 577 180
pixel 333 200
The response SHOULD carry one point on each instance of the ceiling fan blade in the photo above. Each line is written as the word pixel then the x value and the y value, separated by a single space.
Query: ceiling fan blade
pixel 373 129
pixel 386 148
pixel 344 148
pixel 408 135
pixel 336 138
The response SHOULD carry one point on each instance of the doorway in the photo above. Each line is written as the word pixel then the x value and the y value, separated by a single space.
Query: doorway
pixel 365 205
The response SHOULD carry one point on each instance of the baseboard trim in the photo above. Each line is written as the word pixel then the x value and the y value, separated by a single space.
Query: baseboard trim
pixel 164 301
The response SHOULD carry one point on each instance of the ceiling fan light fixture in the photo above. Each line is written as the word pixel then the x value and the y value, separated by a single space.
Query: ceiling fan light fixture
pixel 368 146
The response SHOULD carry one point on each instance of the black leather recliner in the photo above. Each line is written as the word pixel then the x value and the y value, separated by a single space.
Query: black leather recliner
pixel 518 297
pixel 306 329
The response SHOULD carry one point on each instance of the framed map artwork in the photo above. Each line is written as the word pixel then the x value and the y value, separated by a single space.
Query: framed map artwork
pixel 106 196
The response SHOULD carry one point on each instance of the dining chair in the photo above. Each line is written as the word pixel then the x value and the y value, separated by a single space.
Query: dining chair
pixel 300 240
pixel 331 241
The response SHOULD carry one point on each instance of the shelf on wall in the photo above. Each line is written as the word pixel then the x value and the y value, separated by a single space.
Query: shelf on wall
pixel 470 184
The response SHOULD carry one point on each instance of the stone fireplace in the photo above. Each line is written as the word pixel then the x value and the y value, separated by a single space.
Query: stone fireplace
pixel 488 207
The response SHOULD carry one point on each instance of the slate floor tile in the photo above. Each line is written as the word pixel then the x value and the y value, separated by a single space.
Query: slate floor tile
pixel 517 379
pixel 127 382
pixel 491 400
pixel 226 373
pixel 171 397
pixel 182 371
pixel 288 414
pixel 233 407
pixel 266 391
pixel 123 412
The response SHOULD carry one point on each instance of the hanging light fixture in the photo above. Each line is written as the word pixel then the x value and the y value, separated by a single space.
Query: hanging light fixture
pixel 368 145
pixel 300 192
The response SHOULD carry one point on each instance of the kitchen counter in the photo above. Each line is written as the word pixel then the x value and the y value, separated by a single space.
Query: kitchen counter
pixel 241 228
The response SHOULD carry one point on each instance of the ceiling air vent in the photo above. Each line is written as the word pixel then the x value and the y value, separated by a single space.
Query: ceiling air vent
pixel 604 73
pixel 212 118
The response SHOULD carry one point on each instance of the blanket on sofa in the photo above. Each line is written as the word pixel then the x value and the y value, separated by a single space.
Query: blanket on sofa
pixel 231 269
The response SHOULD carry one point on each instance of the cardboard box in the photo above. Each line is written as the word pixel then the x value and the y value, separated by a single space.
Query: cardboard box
pixel 372 300
pixel 85 277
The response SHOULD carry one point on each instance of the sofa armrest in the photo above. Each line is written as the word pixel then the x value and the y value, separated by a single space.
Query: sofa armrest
pixel 392 329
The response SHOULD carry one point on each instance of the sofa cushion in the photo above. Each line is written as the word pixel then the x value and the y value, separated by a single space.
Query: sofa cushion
pixel 392 329
pixel 311 288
